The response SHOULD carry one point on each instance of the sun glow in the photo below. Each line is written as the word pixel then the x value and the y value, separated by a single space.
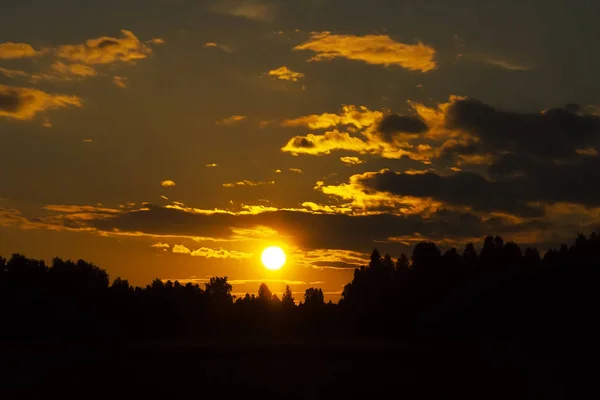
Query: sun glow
pixel 273 258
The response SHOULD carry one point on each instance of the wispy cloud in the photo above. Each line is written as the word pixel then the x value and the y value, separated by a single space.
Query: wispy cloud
pixel 120 81
pixel 12 73
pixel 247 183
pixel 509 65
pixel 107 50
pixel 249 9
pixel 222 47
pixel 80 70
pixel 25 103
pixel 233 120
pixel 372 49
pixel 212 253
pixel 296 170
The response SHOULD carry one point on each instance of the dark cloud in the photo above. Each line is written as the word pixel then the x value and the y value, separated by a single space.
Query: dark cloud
pixel 392 124
pixel 10 101
pixel 556 133
pixel 518 183
pixel 460 189
pixel 302 142
pixel 309 231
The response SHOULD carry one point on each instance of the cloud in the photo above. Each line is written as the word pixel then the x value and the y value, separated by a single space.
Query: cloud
pixel 461 131
pixel 501 63
pixel 351 160
pixel 392 143
pixel 296 170
pixel 286 74
pixel 212 253
pixel 350 115
pixel 325 144
pixel 11 51
pixel 167 183
pixel 303 229
pixel 231 121
pixel 107 50
pixel 25 103
pixel 410 126
pixel 180 249
pixel 120 81
pixel 213 45
pixel 247 183
pixel 555 133
pixel 12 73
pixel 372 49
pixel 211 165
pixel 249 9
pixel 465 189
pixel 161 245
pixel 331 259
pixel 73 69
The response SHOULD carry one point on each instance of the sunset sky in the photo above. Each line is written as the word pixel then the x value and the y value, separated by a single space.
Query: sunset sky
pixel 178 138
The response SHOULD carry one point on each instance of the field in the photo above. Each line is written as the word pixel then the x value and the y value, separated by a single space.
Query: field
pixel 291 370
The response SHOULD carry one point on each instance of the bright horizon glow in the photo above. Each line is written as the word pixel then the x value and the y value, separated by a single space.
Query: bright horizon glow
pixel 273 258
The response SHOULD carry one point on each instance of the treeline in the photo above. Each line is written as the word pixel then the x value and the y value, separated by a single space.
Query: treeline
pixel 501 291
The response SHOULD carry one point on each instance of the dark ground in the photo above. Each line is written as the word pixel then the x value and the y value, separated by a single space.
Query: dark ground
pixel 292 370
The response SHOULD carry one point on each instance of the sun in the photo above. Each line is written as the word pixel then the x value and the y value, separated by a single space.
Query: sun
pixel 273 258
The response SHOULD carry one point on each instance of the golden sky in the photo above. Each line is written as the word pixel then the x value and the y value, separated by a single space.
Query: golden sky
pixel 178 138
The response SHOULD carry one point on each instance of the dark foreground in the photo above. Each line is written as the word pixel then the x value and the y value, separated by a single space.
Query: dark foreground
pixel 291 370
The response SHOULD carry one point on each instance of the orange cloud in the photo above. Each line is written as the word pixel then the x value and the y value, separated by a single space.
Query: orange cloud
pixel 233 120
pixel 167 183
pixel 351 160
pixel 361 200
pixel 107 50
pixel 11 73
pixel 247 183
pixel 286 74
pixel 356 116
pixel 211 165
pixel 25 103
pixel 331 259
pixel 325 144
pixel 213 45
pixel 10 51
pixel 296 170
pixel 372 49
pixel 212 253
pixel 80 70
pixel 161 246
pixel 120 81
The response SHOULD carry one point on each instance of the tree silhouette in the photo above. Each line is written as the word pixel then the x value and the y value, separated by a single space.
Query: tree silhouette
pixel 264 293
pixel 219 291
pixel 314 297
pixel 287 299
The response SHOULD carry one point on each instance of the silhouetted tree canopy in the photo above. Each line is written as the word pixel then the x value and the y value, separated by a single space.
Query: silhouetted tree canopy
pixel 503 290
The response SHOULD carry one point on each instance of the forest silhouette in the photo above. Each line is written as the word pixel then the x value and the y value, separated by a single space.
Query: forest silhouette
pixel 458 293
pixel 459 304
